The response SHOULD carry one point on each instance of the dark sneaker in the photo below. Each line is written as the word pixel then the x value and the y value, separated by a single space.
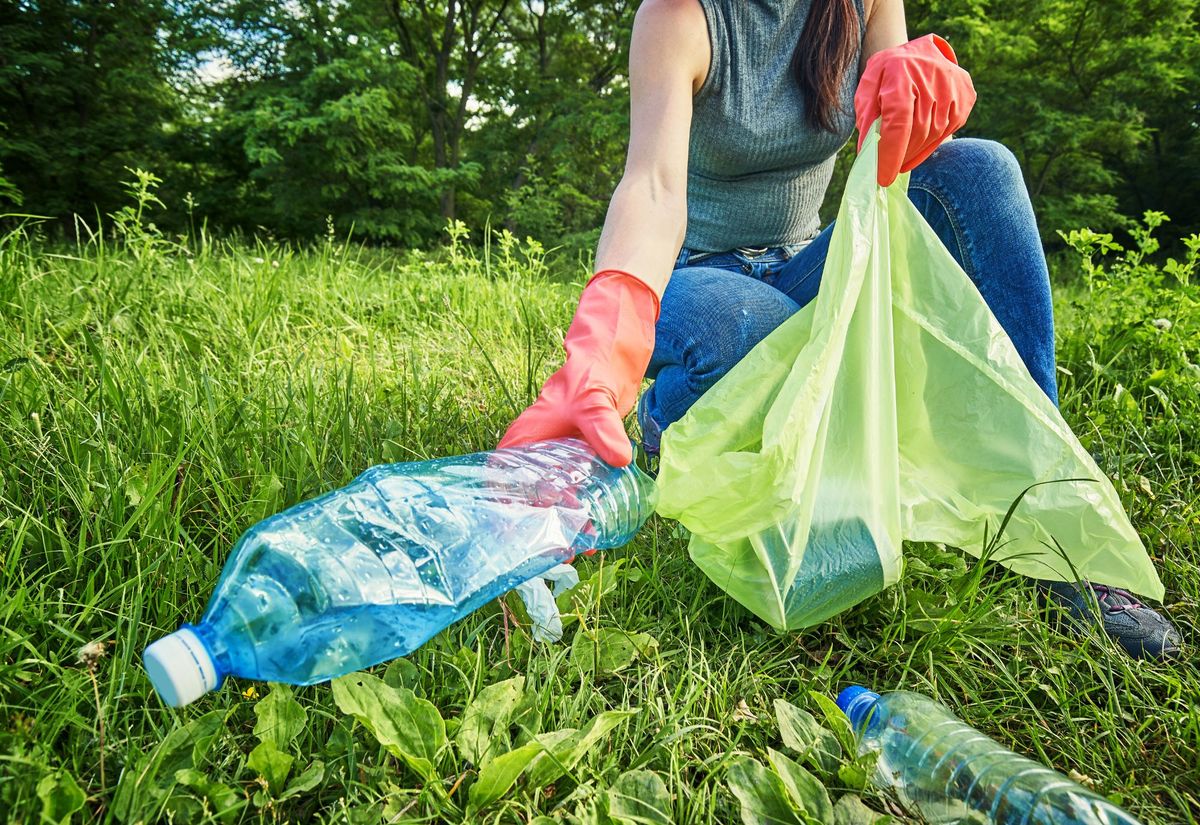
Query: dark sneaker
pixel 1142 631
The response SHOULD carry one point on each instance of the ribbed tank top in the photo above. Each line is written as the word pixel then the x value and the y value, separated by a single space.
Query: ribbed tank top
pixel 757 171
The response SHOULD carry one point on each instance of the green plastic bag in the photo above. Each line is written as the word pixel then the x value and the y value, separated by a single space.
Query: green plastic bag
pixel 893 406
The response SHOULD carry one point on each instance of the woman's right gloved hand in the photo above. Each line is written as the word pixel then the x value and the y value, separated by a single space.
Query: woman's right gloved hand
pixel 921 96
pixel 608 346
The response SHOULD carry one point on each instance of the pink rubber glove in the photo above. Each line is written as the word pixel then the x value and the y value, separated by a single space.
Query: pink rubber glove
pixel 608 349
pixel 922 95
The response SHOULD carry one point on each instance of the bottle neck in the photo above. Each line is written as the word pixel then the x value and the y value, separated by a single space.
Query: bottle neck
pixel 620 502
pixel 217 651
pixel 615 501
pixel 857 703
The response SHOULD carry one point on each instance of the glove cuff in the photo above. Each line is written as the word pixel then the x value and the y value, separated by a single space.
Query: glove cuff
pixel 629 278
pixel 938 42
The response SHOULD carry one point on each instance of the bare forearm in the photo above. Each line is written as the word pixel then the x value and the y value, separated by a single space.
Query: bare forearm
pixel 643 231
pixel 886 28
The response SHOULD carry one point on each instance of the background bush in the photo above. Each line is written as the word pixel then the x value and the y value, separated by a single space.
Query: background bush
pixel 386 117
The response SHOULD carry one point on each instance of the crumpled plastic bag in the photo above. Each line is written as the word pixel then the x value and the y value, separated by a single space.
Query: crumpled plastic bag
pixel 538 597
pixel 892 407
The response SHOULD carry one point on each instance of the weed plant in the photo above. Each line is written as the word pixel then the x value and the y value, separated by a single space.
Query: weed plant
pixel 157 397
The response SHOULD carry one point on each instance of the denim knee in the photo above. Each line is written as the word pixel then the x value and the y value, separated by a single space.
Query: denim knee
pixel 984 164
pixel 708 339
pixel 710 319
pixel 973 195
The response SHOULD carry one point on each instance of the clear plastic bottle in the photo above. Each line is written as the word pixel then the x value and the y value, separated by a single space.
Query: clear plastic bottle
pixel 370 572
pixel 952 773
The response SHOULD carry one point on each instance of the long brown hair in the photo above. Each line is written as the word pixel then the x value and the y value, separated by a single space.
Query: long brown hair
pixel 827 47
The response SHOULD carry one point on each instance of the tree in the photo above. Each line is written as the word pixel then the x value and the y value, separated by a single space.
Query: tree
pixel 8 190
pixel 448 43
pixel 552 160
pixel 85 91
pixel 323 110
pixel 1080 90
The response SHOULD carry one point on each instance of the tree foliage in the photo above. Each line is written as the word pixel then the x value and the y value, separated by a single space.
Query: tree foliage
pixel 1096 99
pixel 384 118
pixel 85 91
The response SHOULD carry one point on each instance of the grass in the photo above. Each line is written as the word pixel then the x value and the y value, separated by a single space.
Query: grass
pixel 156 401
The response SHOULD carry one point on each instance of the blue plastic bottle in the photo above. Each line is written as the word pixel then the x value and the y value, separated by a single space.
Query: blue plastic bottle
pixel 951 772
pixel 373 570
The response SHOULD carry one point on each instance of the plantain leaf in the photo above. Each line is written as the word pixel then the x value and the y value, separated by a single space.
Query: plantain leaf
pixel 61 797
pixel 806 791
pixel 563 753
pixel 640 798
pixel 500 773
pixel 850 810
pixel 483 733
pixel 223 799
pixel 271 764
pixel 801 732
pixel 761 794
pixel 280 717
pixel 144 786
pixel 836 721
pixel 608 650
pixel 409 727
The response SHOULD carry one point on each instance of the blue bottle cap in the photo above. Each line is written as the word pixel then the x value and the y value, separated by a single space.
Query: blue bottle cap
pixel 856 702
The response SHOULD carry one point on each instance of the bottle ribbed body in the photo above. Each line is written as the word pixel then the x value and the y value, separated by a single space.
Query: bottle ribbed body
pixel 373 570
pixel 952 773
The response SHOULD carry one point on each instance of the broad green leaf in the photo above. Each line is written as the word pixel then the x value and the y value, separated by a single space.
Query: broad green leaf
pixel 306 781
pixel 575 602
pixel 640 798
pixel 607 650
pixel 186 747
pixel 853 775
pixel 222 799
pixel 552 743
pixel 801 732
pixel 401 673
pixel 761 794
pixel 272 764
pixel 565 754
pixel 409 727
pixel 371 813
pixel 805 789
pixel 850 810
pixel 836 720
pixel 864 766
pixel 136 482
pixel 500 773
pixel 142 787
pixel 588 812
pixel 484 730
pixel 61 796
pixel 527 716
pixel 280 717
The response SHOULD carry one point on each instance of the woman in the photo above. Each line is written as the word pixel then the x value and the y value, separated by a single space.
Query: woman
pixel 712 236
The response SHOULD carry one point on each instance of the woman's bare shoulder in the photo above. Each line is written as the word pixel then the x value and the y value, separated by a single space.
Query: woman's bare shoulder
pixel 675 30
pixel 678 11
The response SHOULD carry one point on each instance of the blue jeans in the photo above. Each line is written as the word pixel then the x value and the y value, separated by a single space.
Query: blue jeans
pixel 718 306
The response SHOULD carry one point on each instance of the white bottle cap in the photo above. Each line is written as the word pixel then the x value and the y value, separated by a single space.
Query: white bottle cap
pixel 180 668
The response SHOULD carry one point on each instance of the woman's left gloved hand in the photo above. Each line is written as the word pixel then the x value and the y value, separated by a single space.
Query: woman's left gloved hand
pixel 923 96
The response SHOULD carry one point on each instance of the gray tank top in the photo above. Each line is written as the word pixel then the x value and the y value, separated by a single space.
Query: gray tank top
pixel 757 171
